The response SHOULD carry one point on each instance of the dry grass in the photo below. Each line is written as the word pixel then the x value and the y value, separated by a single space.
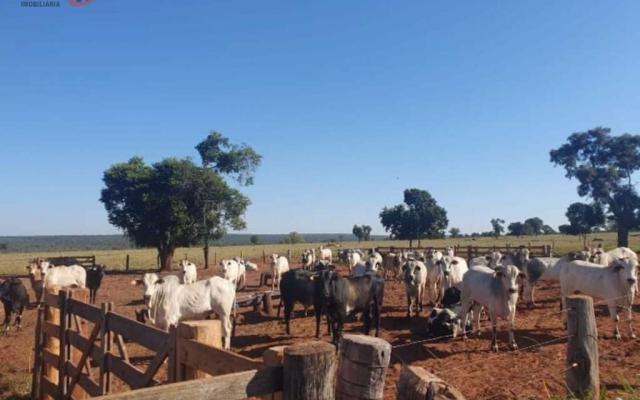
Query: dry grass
pixel 14 263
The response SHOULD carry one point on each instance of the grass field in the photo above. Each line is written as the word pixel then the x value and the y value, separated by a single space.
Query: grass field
pixel 14 263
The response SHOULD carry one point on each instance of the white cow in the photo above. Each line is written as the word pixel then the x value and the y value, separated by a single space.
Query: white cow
pixel 65 276
pixel 171 303
pixel 392 265
pixel 451 251
pixel 497 290
pixel 353 258
pixel 308 259
pixel 149 281
pixel 188 272
pixel 279 265
pixel 491 260
pixel 375 259
pixel 453 269
pixel 233 271
pixel 616 284
pixel 362 269
pixel 325 254
pixel 540 269
pixel 415 278
pixel 434 277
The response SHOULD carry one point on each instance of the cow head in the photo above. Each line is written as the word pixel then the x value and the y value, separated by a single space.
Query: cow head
pixel 509 275
pixel 149 281
pixel 435 255
pixel 410 272
pixel 96 272
pixel 627 270
pixel 229 269
pixel 274 258
pixel 327 279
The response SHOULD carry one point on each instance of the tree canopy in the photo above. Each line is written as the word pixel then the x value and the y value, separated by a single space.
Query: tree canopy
pixel 497 224
pixel 162 205
pixel 583 219
pixel 419 217
pixel 220 155
pixel 455 233
pixel 361 232
pixel 604 166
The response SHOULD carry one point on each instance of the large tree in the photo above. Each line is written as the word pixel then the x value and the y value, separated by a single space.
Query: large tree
pixel 533 226
pixel 419 217
pixel 361 232
pixel 238 162
pixel 161 205
pixel 517 229
pixel 497 224
pixel 583 219
pixel 604 166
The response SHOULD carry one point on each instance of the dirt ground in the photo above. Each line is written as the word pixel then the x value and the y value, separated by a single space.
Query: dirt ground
pixel 533 372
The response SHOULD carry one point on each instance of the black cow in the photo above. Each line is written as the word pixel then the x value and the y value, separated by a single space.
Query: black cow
pixel 451 297
pixel 14 298
pixel 443 323
pixel 94 279
pixel 347 296
pixel 301 286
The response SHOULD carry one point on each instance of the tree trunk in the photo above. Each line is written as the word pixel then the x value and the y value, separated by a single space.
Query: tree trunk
pixel 206 251
pixel 410 243
pixel 166 257
pixel 623 235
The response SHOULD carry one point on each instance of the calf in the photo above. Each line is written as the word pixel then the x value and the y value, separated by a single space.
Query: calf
pixel 415 278
pixel 325 254
pixel 443 323
pixel 353 259
pixel 279 265
pixel 308 259
pixel 616 284
pixel 94 280
pixel 171 302
pixel 14 298
pixel 188 272
pixel 451 298
pixel 497 290
pixel 346 296
pixel 453 270
pixel 300 286
pixel 232 271
pixel 434 282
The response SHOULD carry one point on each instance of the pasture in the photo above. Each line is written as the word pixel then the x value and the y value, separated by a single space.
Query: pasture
pixel 536 371
pixel 14 263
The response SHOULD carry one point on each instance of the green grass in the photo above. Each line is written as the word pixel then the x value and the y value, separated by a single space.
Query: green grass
pixel 15 263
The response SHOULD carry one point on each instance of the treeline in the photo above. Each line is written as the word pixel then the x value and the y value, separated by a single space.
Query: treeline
pixel 34 244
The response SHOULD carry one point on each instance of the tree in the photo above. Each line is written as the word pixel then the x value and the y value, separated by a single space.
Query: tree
pixel 254 239
pixel 366 231
pixel 604 165
pixel 498 226
pixel 419 217
pixel 517 229
pixel 362 232
pixel 533 226
pixel 293 238
pixel 357 232
pixel 222 157
pixel 583 219
pixel 454 233
pixel 548 230
pixel 161 205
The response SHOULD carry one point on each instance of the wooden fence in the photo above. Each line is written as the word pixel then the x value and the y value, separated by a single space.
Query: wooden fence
pixel 85 261
pixel 476 251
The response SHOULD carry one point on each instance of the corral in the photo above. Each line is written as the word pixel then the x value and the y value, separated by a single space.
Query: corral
pixel 535 371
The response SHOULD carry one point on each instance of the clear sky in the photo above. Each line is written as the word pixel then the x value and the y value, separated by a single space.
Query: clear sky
pixel 348 102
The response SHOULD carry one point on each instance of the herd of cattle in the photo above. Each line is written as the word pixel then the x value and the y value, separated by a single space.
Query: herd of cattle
pixel 457 289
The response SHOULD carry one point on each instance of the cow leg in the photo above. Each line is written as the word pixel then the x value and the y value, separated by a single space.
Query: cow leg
pixel 367 320
pixel 318 312
pixel 477 310
pixel 18 322
pixel 377 311
pixel 494 332
pixel 512 339
pixel 7 318
pixel 409 306
pixel 288 308
pixel 629 318
pixel 227 328
pixel 613 312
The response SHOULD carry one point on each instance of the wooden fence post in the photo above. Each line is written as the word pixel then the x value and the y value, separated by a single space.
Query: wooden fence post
pixel 206 331
pixel 37 358
pixel 309 371
pixel 51 344
pixel 64 353
pixel 264 257
pixel 267 302
pixel 106 342
pixel 469 253
pixel 289 255
pixel 583 371
pixel 75 355
pixel 416 383
pixel 127 263
pixel 363 367
pixel 273 357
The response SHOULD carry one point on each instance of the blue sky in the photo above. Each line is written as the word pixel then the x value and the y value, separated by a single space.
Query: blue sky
pixel 348 102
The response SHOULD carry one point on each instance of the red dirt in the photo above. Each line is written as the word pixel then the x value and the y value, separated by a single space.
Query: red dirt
pixel 531 373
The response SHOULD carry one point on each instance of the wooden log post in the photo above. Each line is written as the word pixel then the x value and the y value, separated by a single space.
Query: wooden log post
pixel 267 303
pixel 106 344
pixel 289 255
pixel 51 344
pixel 363 367
pixel 264 257
pixel 273 357
pixel 208 332
pixel 309 371
pixel 416 383
pixel 583 371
